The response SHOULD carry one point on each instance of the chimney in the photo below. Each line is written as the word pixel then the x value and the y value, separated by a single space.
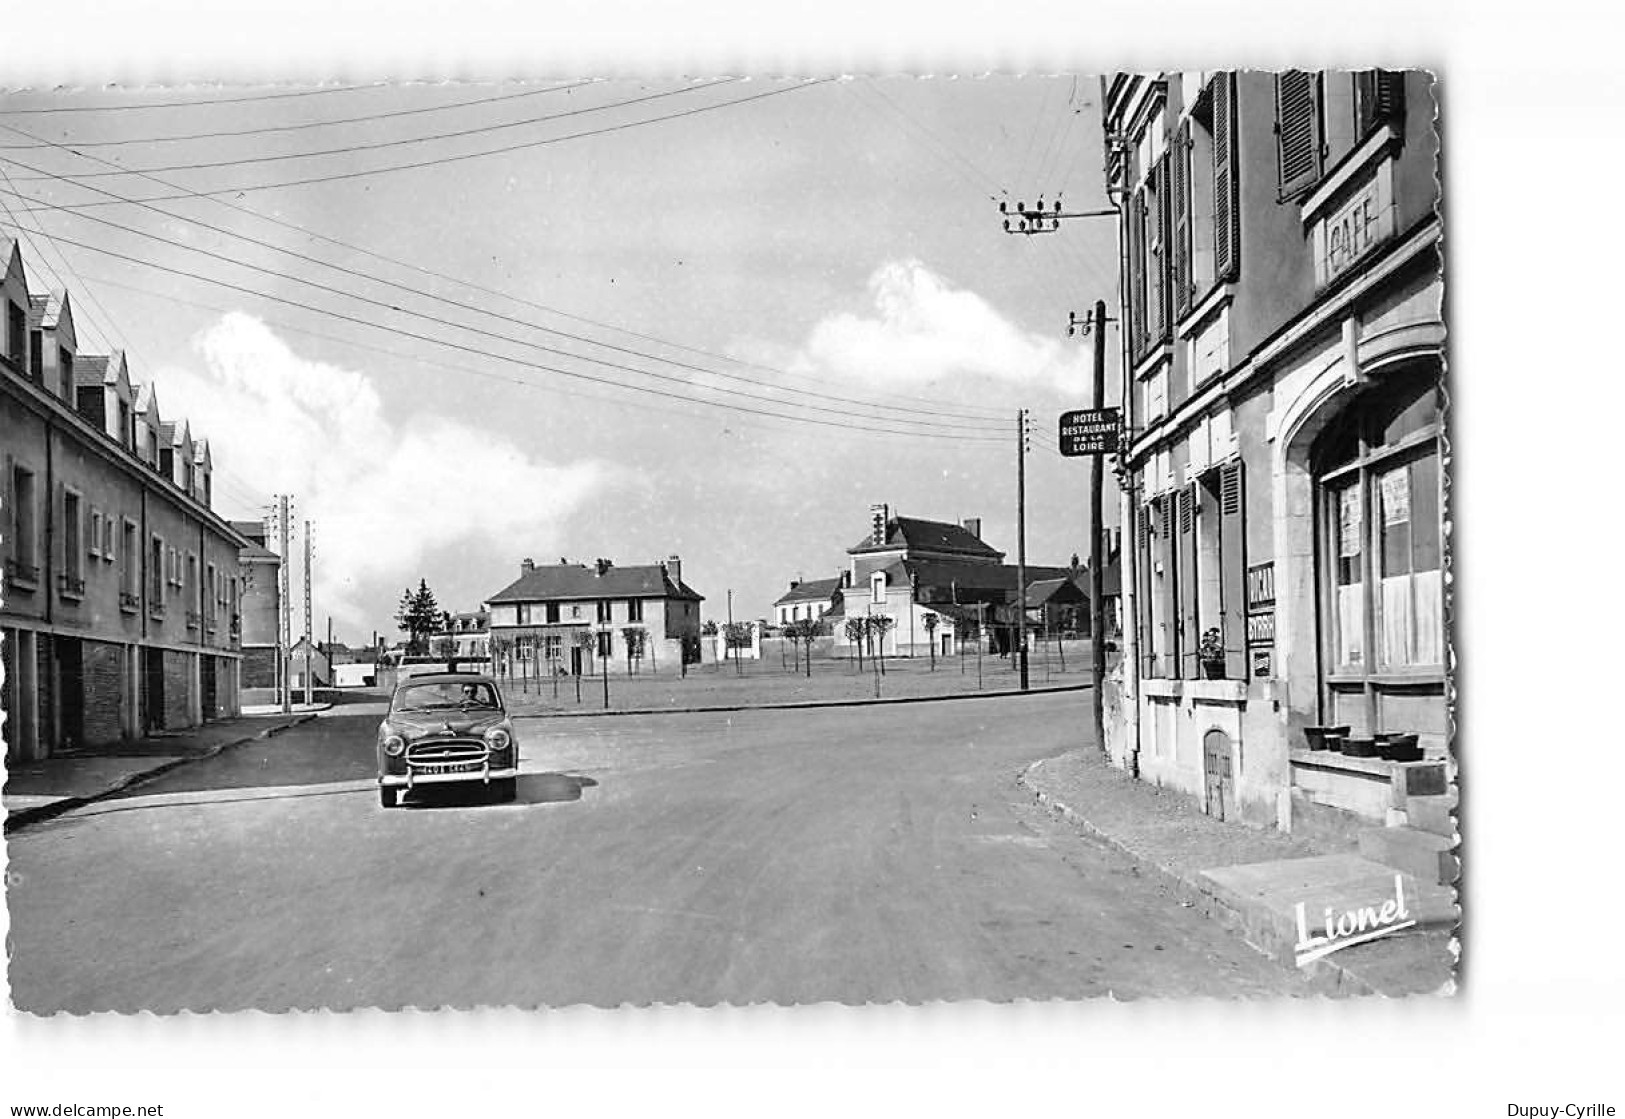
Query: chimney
pixel 674 568
pixel 973 525
pixel 794 583
pixel 527 566
pixel 601 565
pixel 878 516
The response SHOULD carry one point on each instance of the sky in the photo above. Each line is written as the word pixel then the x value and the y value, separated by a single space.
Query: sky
pixel 431 343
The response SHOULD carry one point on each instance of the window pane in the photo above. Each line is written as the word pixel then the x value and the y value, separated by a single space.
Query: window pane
pixel 1349 606
pixel 1394 500
pixel 1425 514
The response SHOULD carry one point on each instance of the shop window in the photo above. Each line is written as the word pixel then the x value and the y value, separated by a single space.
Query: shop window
pixel 1381 556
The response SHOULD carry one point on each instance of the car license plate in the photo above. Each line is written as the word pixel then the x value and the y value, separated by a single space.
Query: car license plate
pixel 449 767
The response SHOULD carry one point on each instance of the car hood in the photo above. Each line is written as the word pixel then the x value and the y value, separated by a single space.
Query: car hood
pixel 416 724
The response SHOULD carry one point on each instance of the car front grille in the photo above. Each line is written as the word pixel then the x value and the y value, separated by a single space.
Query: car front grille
pixel 445 751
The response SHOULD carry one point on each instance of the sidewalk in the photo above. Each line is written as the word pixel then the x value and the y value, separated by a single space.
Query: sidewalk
pixel 1249 879
pixel 40 790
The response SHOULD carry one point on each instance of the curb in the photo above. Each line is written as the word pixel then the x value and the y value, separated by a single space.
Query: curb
pixel 39 813
pixel 801 706
pixel 1331 976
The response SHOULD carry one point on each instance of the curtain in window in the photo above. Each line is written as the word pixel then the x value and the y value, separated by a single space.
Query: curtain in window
pixel 1349 617
pixel 1412 586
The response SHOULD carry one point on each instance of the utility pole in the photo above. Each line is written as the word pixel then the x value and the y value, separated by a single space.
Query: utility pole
pixel 284 620
pixel 1097 560
pixel 1021 545
pixel 310 635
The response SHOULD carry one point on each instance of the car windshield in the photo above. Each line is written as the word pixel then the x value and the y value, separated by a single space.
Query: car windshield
pixel 445 694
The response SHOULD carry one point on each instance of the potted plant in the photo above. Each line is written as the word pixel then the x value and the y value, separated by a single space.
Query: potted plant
pixel 1210 651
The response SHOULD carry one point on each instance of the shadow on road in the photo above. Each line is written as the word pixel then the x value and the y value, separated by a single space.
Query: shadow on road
pixel 533 788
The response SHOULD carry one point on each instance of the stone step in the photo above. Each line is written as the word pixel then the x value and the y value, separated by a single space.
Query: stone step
pixel 1424 854
pixel 1431 814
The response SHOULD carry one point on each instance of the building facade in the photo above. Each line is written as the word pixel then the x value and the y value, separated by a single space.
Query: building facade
pixel 939 583
pixel 260 594
pixel 808 600
pixel 569 618
pixel 121 597
pixel 1283 305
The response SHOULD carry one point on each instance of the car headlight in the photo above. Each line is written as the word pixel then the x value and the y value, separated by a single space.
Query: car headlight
pixel 498 739
pixel 394 745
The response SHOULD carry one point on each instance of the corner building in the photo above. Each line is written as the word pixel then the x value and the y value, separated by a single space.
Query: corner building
pixel 1284 336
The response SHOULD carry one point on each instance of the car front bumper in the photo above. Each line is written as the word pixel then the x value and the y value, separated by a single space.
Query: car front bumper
pixel 412 780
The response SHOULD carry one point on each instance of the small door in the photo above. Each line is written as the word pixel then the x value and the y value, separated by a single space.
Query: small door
pixel 1217 774
pixel 152 680
pixel 206 680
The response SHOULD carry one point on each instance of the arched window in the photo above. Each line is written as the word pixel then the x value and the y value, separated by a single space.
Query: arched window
pixel 1380 550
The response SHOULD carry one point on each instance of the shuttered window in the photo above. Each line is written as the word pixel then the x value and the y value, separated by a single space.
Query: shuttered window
pixel 1179 208
pixel 1298 131
pixel 1156 259
pixel 1226 180
pixel 1186 633
pixel 1379 99
pixel 1233 570
pixel 1136 273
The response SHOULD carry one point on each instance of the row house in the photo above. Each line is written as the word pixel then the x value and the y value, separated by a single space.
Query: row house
pixel 121 593
pixel 565 617
pixel 1283 304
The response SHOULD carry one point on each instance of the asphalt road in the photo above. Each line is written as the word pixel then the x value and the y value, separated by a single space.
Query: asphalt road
pixel 855 855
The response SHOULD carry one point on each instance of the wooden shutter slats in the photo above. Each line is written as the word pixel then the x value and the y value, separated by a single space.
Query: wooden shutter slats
pixel 1226 181
pixel 1185 576
pixel 1297 129
pixel 1233 570
pixel 1179 203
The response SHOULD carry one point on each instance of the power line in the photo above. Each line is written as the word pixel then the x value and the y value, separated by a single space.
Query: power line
pixel 241 189
pixel 477 352
pixel 983 181
pixel 351 149
pixel 844 400
pixel 302 125
pixel 191 104
pixel 385 305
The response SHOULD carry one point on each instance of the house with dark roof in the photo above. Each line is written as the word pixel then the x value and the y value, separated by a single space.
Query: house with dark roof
pixel 259 621
pixel 567 618
pixel 808 599
pixel 938 581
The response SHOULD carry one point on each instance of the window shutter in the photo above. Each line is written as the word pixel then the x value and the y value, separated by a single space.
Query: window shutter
pixel 1226 184
pixel 1157 265
pixel 1185 576
pixel 1179 205
pixel 1233 570
pixel 1380 97
pixel 1136 282
pixel 1297 130
pixel 1142 608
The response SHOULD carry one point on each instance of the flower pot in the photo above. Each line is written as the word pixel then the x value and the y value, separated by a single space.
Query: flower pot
pixel 1213 670
pixel 1360 747
pixel 1315 737
pixel 1392 745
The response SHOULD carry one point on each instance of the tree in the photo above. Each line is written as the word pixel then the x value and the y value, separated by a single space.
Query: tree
pixel 806 630
pixel 584 640
pixel 737 636
pixel 635 637
pixel 930 623
pixel 856 632
pixel 879 624
pixel 418 615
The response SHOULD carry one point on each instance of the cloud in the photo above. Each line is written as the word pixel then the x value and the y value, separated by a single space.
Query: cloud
pixel 923 330
pixel 383 496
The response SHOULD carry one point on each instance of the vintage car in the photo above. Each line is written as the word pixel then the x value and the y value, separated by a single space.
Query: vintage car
pixel 442 728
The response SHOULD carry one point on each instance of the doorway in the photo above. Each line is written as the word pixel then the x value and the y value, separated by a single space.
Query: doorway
pixel 1218 779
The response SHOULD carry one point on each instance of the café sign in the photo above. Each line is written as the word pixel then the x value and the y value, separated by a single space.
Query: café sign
pixel 1349 233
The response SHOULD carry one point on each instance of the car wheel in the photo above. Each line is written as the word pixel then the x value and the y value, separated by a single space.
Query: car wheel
pixel 387 795
pixel 505 789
